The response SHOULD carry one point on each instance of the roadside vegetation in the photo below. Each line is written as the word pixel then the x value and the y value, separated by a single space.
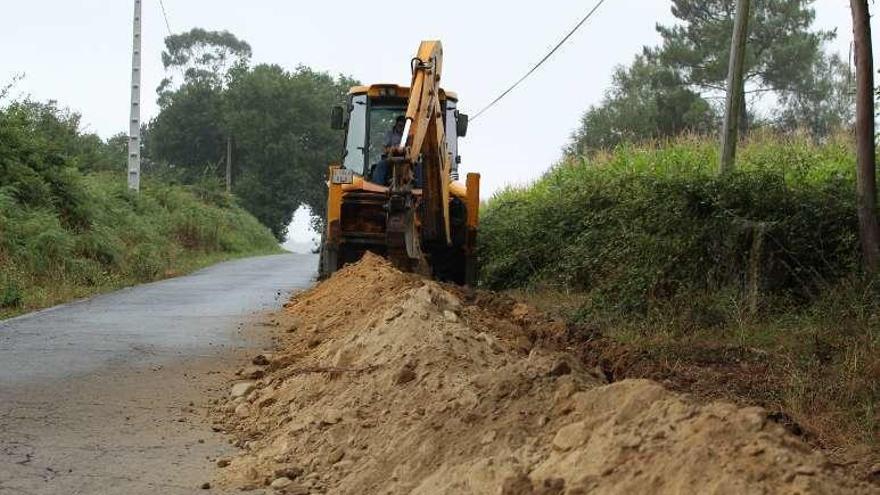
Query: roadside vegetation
pixel 69 228
pixel 745 287
pixel 276 122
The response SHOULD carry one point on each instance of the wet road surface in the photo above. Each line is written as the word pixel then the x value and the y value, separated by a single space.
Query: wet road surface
pixel 108 395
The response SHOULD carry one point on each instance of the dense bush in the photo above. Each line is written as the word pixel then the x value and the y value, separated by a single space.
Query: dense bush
pixel 653 224
pixel 649 247
pixel 67 229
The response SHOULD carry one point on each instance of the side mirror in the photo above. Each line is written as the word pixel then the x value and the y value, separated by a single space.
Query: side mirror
pixel 461 124
pixel 337 118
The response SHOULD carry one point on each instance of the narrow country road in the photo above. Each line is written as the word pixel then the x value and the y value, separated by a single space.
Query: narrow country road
pixel 108 395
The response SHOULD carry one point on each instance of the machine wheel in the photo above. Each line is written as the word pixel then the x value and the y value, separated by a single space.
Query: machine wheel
pixel 328 259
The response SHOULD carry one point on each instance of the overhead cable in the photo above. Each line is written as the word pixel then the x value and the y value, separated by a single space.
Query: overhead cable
pixel 541 62
pixel 165 16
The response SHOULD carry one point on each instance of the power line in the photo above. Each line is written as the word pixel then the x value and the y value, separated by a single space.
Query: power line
pixel 546 57
pixel 165 15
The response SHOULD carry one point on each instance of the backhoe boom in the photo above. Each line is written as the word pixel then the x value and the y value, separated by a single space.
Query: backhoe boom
pixel 395 192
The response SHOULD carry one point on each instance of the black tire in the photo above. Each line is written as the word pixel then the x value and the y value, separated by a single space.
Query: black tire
pixel 327 260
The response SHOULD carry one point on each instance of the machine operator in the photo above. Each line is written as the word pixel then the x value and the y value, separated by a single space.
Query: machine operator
pixel 392 139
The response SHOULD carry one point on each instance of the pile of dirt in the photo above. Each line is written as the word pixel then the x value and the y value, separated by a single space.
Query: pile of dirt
pixel 388 383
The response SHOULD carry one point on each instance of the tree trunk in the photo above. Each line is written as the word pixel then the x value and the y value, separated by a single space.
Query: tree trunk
pixel 866 185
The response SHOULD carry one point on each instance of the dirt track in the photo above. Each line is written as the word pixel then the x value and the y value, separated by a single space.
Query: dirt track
pixel 386 383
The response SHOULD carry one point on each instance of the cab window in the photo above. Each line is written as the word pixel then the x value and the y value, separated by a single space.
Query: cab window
pixel 452 137
pixel 356 136
pixel 381 122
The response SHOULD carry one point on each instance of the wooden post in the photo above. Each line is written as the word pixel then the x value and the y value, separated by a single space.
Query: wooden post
pixel 866 186
pixel 735 86
pixel 229 164
pixel 755 259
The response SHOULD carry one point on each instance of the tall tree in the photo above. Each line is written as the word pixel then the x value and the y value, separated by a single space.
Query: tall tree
pixel 825 104
pixel 781 49
pixel 279 120
pixel 866 182
pixel 646 101
pixel 202 56
pixel 188 135
pixel 283 139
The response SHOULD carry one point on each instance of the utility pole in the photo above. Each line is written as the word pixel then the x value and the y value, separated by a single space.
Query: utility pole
pixel 735 86
pixel 134 135
pixel 866 185
pixel 228 164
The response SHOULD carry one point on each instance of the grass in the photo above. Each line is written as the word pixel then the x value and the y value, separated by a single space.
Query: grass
pixel 744 287
pixel 127 239
pixel 817 367
pixel 69 227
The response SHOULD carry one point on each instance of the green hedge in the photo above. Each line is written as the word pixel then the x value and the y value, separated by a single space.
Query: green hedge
pixel 655 223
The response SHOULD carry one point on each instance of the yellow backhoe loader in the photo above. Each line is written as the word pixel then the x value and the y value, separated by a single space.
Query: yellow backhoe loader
pixel 395 192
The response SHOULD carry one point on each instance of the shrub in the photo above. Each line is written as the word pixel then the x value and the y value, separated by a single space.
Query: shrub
pixel 691 276
pixel 655 225
pixel 65 233
pixel 10 293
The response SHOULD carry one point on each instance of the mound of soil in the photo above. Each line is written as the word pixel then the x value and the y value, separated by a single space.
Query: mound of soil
pixel 388 383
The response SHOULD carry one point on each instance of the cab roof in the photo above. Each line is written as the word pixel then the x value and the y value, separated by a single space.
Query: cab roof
pixel 377 90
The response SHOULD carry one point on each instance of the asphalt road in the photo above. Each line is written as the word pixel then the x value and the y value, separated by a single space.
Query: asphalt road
pixel 108 395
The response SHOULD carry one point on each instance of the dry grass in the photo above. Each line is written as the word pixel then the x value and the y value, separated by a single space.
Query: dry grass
pixel 817 371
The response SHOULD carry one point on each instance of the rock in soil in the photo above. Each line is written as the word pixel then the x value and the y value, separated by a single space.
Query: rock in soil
pixel 280 483
pixel 291 472
pixel 241 389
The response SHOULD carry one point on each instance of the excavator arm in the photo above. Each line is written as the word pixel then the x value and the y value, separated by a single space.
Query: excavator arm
pixel 423 221
pixel 424 143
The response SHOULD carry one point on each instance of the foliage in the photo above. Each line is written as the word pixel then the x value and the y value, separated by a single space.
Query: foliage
pixel 276 119
pixel 41 151
pixel 201 56
pixel 781 49
pixel 646 101
pixel 66 233
pixel 651 251
pixel 826 102
pixel 666 90
pixel 187 137
pixel 643 226
pixel 283 139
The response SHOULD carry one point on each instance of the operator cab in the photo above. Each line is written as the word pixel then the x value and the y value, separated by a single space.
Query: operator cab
pixel 371 114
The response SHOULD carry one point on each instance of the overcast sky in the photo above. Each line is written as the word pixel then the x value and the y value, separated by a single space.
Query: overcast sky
pixel 79 52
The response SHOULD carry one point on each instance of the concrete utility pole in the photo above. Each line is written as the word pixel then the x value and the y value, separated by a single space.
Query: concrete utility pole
pixel 735 86
pixel 134 135
pixel 866 185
